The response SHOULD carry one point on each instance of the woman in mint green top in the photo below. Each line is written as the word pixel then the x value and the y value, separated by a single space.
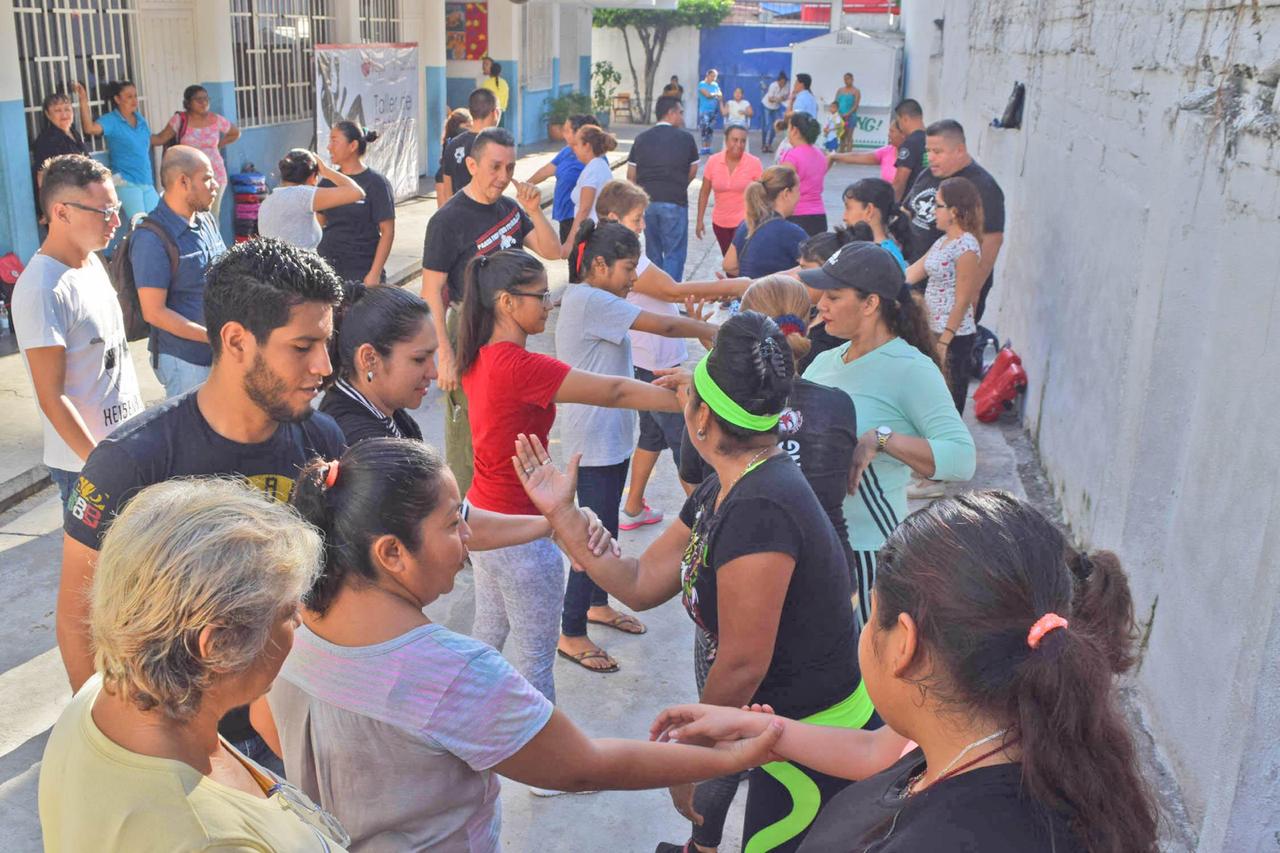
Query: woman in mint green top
pixel 890 368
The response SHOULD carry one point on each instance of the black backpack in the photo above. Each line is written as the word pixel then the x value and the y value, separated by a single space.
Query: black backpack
pixel 980 340
pixel 120 269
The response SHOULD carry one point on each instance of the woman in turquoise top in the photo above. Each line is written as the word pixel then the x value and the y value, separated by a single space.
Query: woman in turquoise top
pixel 129 141
pixel 905 410
pixel 870 200
pixel 848 99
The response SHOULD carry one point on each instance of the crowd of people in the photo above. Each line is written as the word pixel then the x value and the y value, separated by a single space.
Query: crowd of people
pixel 246 564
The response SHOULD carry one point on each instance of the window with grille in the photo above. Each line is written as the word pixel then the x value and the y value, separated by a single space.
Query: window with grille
pixel 62 41
pixel 275 66
pixel 380 21
pixel 539 48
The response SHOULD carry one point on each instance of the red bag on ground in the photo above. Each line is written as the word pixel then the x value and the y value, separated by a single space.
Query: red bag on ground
pixel 1003 382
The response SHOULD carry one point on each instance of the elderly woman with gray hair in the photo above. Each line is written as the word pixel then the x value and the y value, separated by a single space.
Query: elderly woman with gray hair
pixel 194 604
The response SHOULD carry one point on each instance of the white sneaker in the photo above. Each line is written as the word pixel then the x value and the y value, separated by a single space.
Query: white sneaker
pixel 922 490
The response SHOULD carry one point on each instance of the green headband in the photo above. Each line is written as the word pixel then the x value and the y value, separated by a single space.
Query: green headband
pixel 726 408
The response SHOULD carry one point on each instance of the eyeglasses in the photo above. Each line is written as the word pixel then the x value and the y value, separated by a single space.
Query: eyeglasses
pixel 940 206
pixel 107 213
pixel 545 295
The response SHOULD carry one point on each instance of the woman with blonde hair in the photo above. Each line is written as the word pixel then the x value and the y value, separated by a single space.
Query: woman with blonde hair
pixel 766 243
pixel 195 601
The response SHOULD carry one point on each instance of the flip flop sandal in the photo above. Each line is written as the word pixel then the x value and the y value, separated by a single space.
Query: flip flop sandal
pixel 621 620
pixel 590 654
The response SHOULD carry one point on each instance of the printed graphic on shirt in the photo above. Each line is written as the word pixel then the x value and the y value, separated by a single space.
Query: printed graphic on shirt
pixel 922 206
pixel 88 504
pixel 504 235
pixel 692 563
pixel 459 155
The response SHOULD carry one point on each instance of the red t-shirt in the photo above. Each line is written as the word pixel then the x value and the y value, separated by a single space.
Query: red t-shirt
pixel 509 391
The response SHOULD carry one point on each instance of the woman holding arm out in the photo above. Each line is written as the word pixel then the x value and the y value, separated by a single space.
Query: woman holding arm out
pixel 590 146
pixel 129 140
pixel 357 237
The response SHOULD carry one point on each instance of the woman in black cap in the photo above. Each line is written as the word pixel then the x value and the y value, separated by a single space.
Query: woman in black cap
pixel 905 410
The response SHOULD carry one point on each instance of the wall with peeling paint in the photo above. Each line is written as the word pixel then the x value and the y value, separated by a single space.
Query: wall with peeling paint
pixel 1139 281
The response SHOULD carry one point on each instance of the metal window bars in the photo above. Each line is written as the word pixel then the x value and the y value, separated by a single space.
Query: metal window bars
pixel 63 41
pixel 539 47
pixel 273 45
pixel 380 20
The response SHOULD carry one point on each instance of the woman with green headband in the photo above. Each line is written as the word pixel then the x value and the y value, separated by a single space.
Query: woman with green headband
pixel 756 563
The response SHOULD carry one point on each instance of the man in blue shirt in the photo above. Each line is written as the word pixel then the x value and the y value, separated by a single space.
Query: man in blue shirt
pixel 709 98
pixel 802 99
pixel 174 304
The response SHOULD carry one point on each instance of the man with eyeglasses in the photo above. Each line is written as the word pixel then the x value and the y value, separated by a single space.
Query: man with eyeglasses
pixel 68 320
pixel 174 304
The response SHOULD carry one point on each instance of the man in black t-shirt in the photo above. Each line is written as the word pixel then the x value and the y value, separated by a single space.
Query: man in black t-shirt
pixel 662 162
pixel 269 312
pixel 478 220
pixel 911 154
pixel 485 113
pixel 949 158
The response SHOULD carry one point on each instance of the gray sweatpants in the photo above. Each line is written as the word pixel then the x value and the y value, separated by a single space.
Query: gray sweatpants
pixel 520 591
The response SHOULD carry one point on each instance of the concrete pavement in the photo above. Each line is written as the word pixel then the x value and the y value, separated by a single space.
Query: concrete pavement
pixel 656 669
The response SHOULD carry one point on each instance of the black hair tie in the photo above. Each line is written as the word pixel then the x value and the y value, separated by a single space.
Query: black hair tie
pixel 483 262
pixel 1082 566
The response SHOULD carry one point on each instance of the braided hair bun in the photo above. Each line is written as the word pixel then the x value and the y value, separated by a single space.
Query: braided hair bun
pixel 752 363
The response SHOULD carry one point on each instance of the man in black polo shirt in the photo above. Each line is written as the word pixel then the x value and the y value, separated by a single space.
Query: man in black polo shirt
pixel 911 157
pixel 663 160
pixel 478 220
pixel 949 158
pixel 268 308
pixel 483 105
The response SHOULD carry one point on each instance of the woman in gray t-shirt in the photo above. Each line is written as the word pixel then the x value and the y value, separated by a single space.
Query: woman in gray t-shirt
pixel 288 214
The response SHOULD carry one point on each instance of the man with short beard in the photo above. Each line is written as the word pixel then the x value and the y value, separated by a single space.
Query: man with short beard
pixel 269 311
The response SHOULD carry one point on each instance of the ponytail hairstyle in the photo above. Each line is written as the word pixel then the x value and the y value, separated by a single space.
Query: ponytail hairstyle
pixel 786 300
pixel 113 90
pixel 298 166
pixel 965 202
pixel 976 572
pixel 761 194
pixel 600 141
pixel 904 318
pixel 610 241
pixel 752 364
pixel 486 277
pixel 819 247
pixel 380 487
pixel 357 133
pixel 453 125
pixel 878 193
pixel 382 317
pixel 620 198
pixel 806 124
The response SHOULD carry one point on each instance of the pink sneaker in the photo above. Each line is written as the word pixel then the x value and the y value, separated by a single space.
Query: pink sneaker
pixel 648 515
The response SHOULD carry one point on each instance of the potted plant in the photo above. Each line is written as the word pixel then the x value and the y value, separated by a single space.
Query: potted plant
pixel 604 82
pixel 556 110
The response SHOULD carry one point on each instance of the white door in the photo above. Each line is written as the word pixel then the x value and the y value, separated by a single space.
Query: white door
pixel 167 57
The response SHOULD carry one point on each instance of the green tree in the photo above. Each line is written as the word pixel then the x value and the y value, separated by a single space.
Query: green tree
pixel 652 26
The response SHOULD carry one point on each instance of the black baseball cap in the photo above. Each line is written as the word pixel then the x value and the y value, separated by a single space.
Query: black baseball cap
pixel 861 265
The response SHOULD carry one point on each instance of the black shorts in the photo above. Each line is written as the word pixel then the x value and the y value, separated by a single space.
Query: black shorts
pixel 660 430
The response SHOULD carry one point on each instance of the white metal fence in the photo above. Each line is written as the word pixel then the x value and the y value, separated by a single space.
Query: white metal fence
pixel 63 41
pixel 275 68
pixel 380 20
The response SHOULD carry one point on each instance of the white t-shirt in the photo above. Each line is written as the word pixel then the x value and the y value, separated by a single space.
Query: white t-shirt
pixel 650 351
pixel 595 175
pixel 737 114
pixel 776 95
pixel 288 214
pixel 57 306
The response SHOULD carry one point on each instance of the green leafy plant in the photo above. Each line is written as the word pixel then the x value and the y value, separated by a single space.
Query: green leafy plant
pixel 556 110
pixel 604 82
pixel 652 26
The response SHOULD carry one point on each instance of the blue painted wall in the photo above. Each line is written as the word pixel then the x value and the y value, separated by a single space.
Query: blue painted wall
pixel 264 146
pixel 17 192
pixel 458 89
pixel 722 48
pixel 584 74
pixel 437 101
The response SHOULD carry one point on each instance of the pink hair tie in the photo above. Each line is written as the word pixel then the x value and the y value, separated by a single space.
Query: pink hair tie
pixel 331 474
pixel 1044 625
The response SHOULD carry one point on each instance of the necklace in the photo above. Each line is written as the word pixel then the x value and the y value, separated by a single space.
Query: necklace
pixel 947 771
pixel 754 461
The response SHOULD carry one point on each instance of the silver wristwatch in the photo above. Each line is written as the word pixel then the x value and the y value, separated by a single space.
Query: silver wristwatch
pixel 882 436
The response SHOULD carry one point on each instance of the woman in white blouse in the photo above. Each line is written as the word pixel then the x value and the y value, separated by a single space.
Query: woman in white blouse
pixel 289 212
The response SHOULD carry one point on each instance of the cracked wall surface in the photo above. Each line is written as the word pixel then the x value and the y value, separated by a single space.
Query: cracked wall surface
pixel 1139 282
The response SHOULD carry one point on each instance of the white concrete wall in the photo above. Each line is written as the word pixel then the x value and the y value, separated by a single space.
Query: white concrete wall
pixel 1138 281
pixel 680 58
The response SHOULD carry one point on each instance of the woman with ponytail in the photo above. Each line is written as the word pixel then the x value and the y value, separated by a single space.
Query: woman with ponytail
pixel 357 237
pixel 810 163
pixel 994 646
pixel 757 565
pixel 590 145
pixel 889 368
pixel 813 254
pixel 870 200
pixel 397 724
pixel 520 590
pixel 593 335
pixel 767 241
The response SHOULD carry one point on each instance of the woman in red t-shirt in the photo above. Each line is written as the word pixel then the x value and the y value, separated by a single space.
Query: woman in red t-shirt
pixel 520 590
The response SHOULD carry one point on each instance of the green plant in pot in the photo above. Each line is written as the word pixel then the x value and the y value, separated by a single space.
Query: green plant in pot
pixel 604 82
pixel 556 110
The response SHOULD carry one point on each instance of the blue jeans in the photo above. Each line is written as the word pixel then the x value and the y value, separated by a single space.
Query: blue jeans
pixel 706 128
pixel 666 236
pixel 256 749
pixel 178 376
pixel 767 133
pixel 65 481
pixel 600 490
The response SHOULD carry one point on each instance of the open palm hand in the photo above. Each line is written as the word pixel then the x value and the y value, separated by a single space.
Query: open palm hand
pixel 548 487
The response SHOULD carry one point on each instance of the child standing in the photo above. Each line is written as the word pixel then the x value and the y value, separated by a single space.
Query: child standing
pixel 833 128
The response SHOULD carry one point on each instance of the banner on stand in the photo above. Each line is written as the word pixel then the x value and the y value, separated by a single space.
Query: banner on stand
pixel 375 86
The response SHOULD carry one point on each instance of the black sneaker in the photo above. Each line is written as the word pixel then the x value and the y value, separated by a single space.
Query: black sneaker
pixel 668 847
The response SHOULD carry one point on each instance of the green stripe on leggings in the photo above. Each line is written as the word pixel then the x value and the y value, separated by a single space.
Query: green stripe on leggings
pixel 851 713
